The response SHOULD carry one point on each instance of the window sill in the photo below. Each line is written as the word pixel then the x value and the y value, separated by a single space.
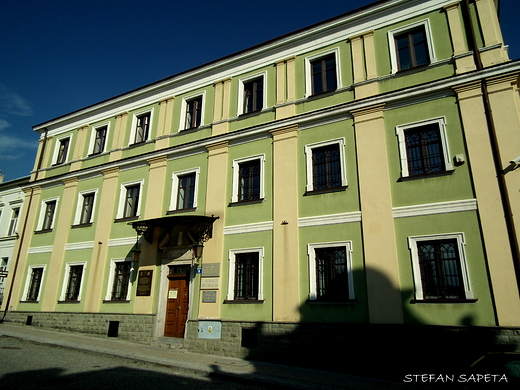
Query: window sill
pixel 180 210
pixel 322 94
pixel 29 301
pixel 244 202
pixel 43 231
pixel 119 301
pixel 137 144
pixel 73 302
pixel 81 225
pixel 126 219
pixel 443 301
pixel 325 190
pixel 426 175
pixel 246 301
pixel 334 303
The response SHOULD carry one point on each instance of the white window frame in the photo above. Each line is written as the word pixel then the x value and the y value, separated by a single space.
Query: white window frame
pixel 113 262
pixel 93 138
pixel 400 130
pixel 400 30
pixel 185 100
pixel 236 166
pixel 11 219
pixel 313 295
pixel 175 186
pixel 308 159
pixel 43 208
pixel 79 205
pixel 461 242
pixel 57 149
pixel 66 279
pixel 122 197
pixel 241 86
pixel 133 129
pixel 308 70
pixel 28 282
pixel 231 284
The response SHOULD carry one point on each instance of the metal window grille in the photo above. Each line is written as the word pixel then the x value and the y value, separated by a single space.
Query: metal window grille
pixel 246 276
pixel 253 95
pixel 326 167
pixel 141 131
pixel 34 284
pixel 74 283
pixel 186 193
pixel 331 274
pixel 131 201
pixel 424 150
pixel 87 208
pixel 412 49
pixel 324 74
pixel 100 139
pixel 62 151
pixel 121 281
pixel 441 273
pixel 249 180
pixel 50 208
pixel 193 113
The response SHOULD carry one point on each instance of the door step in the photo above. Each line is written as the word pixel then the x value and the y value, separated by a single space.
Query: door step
pixel 168 343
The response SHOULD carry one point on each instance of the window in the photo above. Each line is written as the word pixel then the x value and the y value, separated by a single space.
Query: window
pixel 72 287
pixel 49 209
pixel 325 165
pixel 100 137
pixel 184 189
pixel 248 181
pixel 193 113
pixel 411 46
pixel 87 208
pixel 13 224
pixel 324 74
pixel 130 200
pixel 439 267
pixel 245 279
pixel 424 148
pixel 119 280
pixel 63 150
pixel 142 128
pixel 33 283
pixel 253 95
pixel 330 272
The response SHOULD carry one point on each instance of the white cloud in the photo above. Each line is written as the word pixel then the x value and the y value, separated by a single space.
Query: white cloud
pixel 14 104
pixel 4 124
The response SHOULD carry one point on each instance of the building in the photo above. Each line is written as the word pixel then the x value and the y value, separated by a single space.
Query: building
pixel 11 205
pixel 355 177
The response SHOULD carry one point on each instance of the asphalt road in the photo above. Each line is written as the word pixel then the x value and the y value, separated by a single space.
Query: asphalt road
pixel 28 365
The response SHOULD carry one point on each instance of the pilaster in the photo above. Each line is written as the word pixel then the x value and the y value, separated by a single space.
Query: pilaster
pixel 364 64
pixel 492 35
pixel 491 213
pixel 285 88
pixel 221 106
pixel 164 125
pixel 286 288
pixel 118 140
pixel 464 61
pixel 380 251
pixel 155 193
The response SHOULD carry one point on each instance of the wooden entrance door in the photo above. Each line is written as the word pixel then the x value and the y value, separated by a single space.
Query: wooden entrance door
pixel 176 306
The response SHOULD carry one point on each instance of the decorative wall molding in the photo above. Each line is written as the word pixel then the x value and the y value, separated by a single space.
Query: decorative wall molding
pixel 122 241
pixel 40 249
pixel 249 228
pixel 435 208
pixel 79 245
pixel 330 219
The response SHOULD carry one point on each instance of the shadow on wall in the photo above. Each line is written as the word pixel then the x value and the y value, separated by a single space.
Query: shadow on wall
pixel 383 351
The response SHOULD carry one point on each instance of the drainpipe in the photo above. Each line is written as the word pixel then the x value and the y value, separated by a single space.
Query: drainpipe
pixel 500 174
pixel 22 236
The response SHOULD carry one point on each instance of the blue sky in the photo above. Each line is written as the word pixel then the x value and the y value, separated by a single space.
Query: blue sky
pixel 61 55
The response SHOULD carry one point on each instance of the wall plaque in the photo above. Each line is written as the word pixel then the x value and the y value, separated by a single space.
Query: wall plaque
pixel 210 270
pixel 209 297
pixel 144 283
pixel 209 283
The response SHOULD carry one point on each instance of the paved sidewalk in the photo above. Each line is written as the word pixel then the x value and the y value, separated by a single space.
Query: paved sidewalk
pixel 275 374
